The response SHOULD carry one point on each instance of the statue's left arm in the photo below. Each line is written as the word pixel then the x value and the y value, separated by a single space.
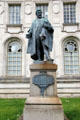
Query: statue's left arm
pixel 48 34
pixel 48 26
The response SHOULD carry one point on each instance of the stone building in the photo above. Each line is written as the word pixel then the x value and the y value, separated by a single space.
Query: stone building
pixel 16 17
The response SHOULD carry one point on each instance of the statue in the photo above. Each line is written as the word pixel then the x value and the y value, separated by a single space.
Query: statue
pixel 40 37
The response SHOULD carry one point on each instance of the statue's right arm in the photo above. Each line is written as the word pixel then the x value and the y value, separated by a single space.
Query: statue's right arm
pixel 29 34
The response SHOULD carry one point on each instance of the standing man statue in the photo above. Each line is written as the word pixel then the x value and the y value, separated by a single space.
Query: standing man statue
pixel 40 37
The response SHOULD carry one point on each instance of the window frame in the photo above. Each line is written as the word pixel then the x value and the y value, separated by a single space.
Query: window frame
pixel 12 40
pixel 65 42
pixel 15 4
pixel 18 4
pixel 69 23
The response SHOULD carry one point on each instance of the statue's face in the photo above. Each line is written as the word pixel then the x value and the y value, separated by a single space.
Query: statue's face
pixel 39 14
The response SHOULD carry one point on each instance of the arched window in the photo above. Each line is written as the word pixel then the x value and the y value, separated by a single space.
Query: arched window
pixel 71 57
pixel 14 67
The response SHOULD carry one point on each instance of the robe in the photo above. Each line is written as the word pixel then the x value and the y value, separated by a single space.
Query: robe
pixel 40 27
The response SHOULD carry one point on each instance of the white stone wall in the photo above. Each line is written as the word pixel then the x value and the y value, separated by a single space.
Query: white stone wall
pixel 55 16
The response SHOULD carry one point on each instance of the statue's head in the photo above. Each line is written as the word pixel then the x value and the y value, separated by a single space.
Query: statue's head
pixel 39 13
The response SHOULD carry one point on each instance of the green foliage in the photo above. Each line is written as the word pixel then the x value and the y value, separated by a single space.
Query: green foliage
pixel 11 109
pixel 71 108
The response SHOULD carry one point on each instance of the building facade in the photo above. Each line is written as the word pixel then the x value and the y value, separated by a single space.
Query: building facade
pixel 16 17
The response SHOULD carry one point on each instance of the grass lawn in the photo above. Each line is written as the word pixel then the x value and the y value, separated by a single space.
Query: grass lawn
pixel 71 108
pixel 11 109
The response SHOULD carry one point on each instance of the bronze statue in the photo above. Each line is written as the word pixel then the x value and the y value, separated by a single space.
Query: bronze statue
pixel 40 37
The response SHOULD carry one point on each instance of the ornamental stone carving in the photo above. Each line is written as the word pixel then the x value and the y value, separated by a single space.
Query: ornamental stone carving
pixel 56 8
pixel 1 9
pixel 28 9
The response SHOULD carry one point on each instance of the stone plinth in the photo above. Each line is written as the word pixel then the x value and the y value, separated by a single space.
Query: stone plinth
pixel 49 69
pixel 38 108
pixel 45 106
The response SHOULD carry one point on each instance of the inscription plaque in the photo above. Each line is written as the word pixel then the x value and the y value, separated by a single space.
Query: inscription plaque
pixel 43 80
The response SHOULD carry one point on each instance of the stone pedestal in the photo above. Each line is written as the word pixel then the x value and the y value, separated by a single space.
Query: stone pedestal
pixel 46 106
pixel 48 69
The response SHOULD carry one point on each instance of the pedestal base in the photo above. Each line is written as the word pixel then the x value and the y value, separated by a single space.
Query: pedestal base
pixel 38 108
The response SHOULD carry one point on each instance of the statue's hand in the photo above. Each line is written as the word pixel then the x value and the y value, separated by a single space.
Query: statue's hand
pixel 29 35
pixel 42 37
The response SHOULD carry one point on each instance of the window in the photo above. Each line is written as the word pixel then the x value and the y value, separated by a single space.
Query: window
pixel 71 57
pixel 14 14
pixel 69 13
pixel 44 8
pixel 14 59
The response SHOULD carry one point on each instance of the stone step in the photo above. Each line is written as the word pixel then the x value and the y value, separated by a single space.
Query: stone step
pixel 14 85
pixel 65 89
pixel 17 95
pixel 68 85
pixel 68 81
pixel 68 95
pixel 14 90
pixel 69 91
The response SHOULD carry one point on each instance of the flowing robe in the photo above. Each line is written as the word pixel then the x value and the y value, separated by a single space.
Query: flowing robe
pixel 39 27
